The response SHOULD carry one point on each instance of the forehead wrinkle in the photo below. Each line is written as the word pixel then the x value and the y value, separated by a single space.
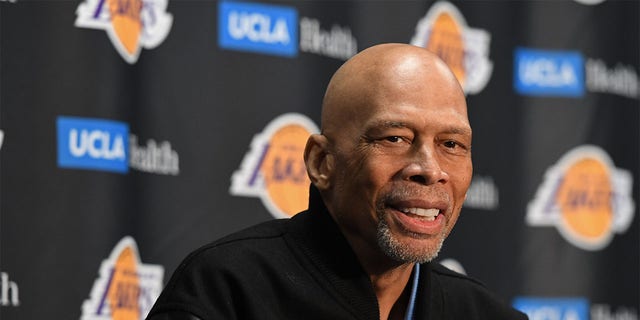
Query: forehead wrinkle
pixel 458 130
pixel 462 129
pixel 387 124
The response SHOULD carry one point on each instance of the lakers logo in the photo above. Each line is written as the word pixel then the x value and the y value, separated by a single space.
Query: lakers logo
pixel 122 297
pixel 130 24
pixel 585 197
pixel 126 289
pixel 126 23
pixel 444 32
pixel 273 170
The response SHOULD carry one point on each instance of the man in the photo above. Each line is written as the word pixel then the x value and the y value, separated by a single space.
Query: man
pixel 389 174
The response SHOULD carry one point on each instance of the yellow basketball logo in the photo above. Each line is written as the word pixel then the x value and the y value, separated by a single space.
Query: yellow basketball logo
pixel 274 169
pixel 127 25
pixel 126 288
pixel 446 41
pixel 585 197
pixel 125 285
pixel 130 24
pixel 444 31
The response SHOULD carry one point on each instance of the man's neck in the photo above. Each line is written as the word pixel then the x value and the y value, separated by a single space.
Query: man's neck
pixel 392 290
pixel 390 281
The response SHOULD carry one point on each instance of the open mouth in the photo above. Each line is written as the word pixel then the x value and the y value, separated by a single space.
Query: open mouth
pixel 416 213
pixel 417 220
pixel 421 213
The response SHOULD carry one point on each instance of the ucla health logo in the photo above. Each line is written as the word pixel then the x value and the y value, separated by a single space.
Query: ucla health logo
pixel 549 73
pixel 126 289
pixel 444 32
pixel 258 28
pixel 98 144
pixel 274 170
pixel 553 308
pixel 130 24
pixel 585 197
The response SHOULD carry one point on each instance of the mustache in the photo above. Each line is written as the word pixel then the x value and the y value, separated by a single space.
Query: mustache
pixel 403 191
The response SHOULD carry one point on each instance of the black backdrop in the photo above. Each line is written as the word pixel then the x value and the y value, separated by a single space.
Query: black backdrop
pixel 124 122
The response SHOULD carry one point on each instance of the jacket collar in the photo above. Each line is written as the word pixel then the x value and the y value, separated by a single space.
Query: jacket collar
pixel 314 236
pixel 325 252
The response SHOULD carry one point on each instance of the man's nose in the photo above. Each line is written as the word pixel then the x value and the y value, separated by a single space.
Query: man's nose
pixel 423 167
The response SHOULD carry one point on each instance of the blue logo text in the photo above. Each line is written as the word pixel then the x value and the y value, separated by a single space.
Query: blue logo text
pixel 258 28
pixel 548 73
pixel 553 308
pixel 93 144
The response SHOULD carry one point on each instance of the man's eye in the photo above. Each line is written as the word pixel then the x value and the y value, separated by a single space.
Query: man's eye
pixel 393 139
pixel 450 144
pixel 455 147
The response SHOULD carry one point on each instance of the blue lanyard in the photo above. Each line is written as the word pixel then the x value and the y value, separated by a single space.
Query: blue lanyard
pixel 414 292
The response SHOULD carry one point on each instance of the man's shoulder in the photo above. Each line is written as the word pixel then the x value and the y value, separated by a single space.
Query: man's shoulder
pixel 265 243
pixel 463 294
pixel 457 284
pixel 205 282
pixel 250 237
pixel 236 249
pixel 264 230
pixel 447 275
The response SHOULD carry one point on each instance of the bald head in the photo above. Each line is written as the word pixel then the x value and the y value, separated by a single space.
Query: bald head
pixel 377 73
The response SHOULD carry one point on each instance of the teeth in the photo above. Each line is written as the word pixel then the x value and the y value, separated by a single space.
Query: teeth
pixel 430 214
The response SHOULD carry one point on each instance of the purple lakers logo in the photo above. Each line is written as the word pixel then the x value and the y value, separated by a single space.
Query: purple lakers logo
pixel 273 170
pixel 585 197
pixel 444 32
pixel 130 24
pixel 126 288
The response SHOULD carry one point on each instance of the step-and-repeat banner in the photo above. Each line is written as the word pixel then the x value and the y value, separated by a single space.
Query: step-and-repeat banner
pixel 134 131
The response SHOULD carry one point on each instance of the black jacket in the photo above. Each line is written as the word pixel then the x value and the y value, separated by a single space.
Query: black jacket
pixel 303 268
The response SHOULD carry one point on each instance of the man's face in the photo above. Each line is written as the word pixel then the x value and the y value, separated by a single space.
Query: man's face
pixel 402 169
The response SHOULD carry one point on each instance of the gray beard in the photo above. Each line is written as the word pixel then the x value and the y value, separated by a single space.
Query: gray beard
pixel 395 250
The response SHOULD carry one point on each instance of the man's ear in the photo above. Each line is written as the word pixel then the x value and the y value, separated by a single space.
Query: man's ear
pixel 319 161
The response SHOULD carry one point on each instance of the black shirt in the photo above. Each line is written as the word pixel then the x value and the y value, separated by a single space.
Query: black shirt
pixel 303 268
